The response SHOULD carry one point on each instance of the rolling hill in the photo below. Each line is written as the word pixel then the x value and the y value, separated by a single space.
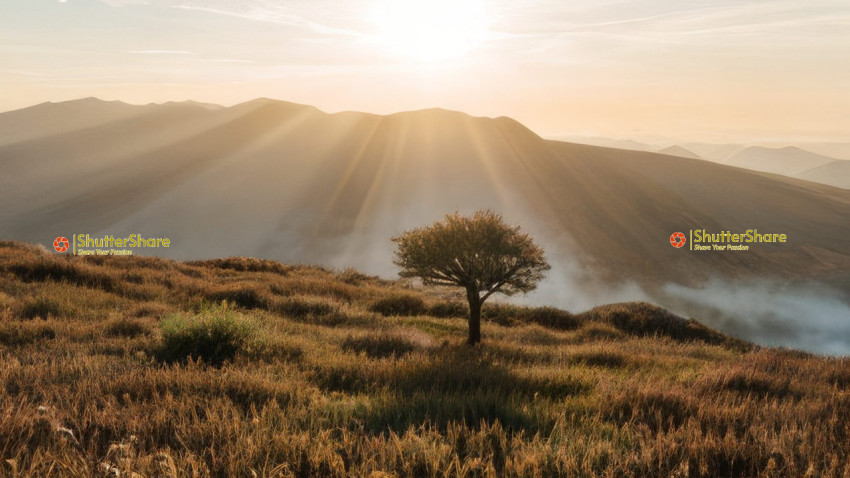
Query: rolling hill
pixel 835 173
pixel 143 366
pixel 788 161
pixel 289 182
pixel 680 151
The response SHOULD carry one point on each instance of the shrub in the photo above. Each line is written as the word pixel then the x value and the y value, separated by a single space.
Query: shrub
pixel 272 347
pixel 125 327
pixel 642 319
pixel 247 296
pixel 22 333
pixel 379 345
pixel 150 309
pixel 58 270
pixel 507 315
pixel 748 382
pixel 553 318
pixel 399 304
pixel 511 315
pixel 215 334
pixel 300 307
pixel 43 307
pixel 352 276
pixel 244 264
pixel 448 309
pixel 595 331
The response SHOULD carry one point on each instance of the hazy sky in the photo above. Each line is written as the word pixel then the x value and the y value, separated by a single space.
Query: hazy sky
pixel 641 69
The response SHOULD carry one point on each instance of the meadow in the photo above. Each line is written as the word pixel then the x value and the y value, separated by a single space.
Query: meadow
pixel 147 367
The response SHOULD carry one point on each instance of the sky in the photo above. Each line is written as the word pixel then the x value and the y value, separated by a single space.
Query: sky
pixel 716 71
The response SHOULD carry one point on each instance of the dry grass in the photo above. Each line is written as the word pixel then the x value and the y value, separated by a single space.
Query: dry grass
pixel 313 382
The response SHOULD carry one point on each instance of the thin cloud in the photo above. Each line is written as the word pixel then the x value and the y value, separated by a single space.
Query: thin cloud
pixel 161 52
pixel 226 60
pixel 263 13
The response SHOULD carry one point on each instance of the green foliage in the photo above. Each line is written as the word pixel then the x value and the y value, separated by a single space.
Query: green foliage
pixel 399 304
pixel 479 252
pixel 215 334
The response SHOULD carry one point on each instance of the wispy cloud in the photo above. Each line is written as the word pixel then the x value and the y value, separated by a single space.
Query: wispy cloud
pixel 121 3
pixel 264 11
pixel 161 52
pixel 226 60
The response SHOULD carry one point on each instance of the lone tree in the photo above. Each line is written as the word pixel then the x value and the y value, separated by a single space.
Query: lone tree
pixel 481 253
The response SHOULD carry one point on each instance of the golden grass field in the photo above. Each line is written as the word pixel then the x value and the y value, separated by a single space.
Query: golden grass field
pixel 299 371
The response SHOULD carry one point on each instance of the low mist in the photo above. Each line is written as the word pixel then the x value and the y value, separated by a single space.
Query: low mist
pixel 808 316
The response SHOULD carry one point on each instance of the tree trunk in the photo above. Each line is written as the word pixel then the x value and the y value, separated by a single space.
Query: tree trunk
pixel 474 317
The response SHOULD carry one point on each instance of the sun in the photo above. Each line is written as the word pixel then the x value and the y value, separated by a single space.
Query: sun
pixel 430 30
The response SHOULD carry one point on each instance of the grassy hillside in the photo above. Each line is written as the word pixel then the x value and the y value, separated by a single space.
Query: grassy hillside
pixel 301 371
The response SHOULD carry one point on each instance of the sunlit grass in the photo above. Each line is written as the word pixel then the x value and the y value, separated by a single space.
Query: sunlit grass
pixel 301 375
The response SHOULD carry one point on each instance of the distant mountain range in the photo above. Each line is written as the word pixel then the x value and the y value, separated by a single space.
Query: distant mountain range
pixel 280 180
pixel 788 161
pixel 825 163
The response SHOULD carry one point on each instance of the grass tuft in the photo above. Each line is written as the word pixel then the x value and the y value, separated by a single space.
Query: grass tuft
pixel 215 334
pixel 44 307
pixel 403 304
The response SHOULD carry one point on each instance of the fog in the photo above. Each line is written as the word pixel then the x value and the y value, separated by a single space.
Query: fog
pixel 808 316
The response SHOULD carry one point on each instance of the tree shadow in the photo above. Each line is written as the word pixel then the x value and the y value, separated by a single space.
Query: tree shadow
pixel 461 384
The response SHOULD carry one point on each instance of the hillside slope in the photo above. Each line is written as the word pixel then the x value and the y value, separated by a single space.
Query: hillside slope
pixel 788 161
pixel 288 182
pixel 126 365
pixel 284 181
pixel 835 173
pixel 680 151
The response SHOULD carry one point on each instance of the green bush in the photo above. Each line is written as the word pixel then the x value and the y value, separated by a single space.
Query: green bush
pixel 399 304
pixel 215 334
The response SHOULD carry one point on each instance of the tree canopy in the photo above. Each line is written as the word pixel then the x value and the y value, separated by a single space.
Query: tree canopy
pixel 481 253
